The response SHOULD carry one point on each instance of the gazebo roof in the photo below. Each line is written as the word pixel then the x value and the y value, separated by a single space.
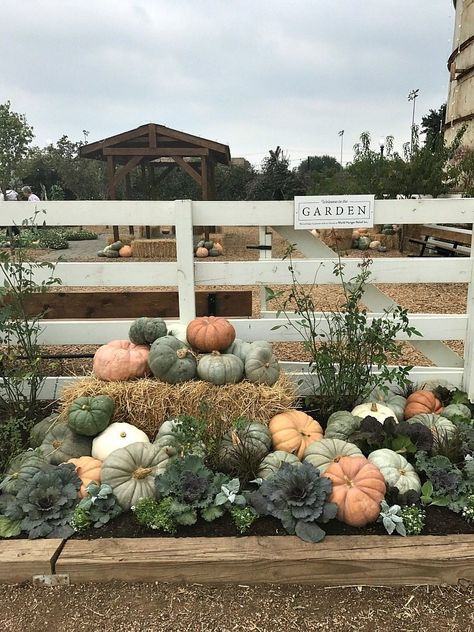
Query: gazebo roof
pixel 155 141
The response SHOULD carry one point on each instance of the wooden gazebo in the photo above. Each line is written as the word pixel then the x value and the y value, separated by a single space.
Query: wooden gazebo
pixel 157 149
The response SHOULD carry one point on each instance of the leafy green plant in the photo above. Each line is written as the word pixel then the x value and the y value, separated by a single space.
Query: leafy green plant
pixel 193 488
pixel 20 362
pixel 243 518
pixel 413 519
pixel 187 435
pixel 299 497
pixel 447 484
pixel 45 503
pixel 229 495
pixel 402 437
pixel 96 509
pixel 156 515
pixel 79 235
pixel 9 528
pixel 468 509
pixel 391 518
pixel 344 351
pixel 428 496
pixel 52 239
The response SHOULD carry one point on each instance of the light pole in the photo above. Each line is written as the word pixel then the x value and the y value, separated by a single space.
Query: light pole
pixel 412 96
pixel 341 134
pixel 382 146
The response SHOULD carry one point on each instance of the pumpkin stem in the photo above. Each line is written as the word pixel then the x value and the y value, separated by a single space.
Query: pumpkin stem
pixel 123 434
pixel 142 472
pixel 216 353
pixel 374 408
pixel 182 353
pixel 57 444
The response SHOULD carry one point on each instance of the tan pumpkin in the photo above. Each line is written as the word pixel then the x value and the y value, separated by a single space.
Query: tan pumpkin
pixel 126 251
pixel 422 401
pixel 88 470
pixel 202 252
pixel 219 247
pixel 293 431
pixel 210 333
pixel 121 360
pixel 358 487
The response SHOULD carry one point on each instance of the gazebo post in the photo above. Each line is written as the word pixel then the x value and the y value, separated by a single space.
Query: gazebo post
pixel 128 193
pixel 112 194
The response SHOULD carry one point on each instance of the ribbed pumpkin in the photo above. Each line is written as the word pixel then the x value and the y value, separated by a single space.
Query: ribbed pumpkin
pixel 22 468
pixel 210 333
pixel 125 251
pixel 144 331
pixel 358 488
pixel 293 431
pixel 88 470
pixel 202 252
pixel 90 415
pixel 422 401
pixel 250 441
pixel 62 444
pixel 172 361
pixel 41 429
pixel 440 426
pixel 116 436
pixel 273 462
pixel 261 366
pixel 393 400
pixel 241 348
pixel 322 453
pixel 220 368
pixel 120 360
pixel 373 409
pixel 396 470
pixel 341 425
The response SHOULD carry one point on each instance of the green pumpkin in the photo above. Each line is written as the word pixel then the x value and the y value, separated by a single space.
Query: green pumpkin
pixel 22 468
pixel 457 412
pixel 62 444
pixel 251 440
pixel 101 253
pixel 382 248
pixel 220 368
pixel 172 361
pixel 323 453
pixel 213 252
pixel 396 470
pixel 169 435
pixel 144 331
pixel 209 245
pixel 115 246
pixel 393 400
pixel 131 471
pixel 41 429
pixel 341 425
pixel 261 366
pixel 364 243
pixel 241 348
pixel 388 231
pixel 90 416
pixel 111 254
pixel 440 426
pixel 273 462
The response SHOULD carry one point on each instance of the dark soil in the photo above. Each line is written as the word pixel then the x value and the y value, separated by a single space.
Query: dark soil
pixel 439 521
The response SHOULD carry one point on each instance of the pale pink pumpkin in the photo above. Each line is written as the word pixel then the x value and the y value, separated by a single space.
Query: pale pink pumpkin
pixel 121 360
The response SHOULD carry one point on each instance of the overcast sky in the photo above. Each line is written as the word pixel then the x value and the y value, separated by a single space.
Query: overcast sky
pixel 250 73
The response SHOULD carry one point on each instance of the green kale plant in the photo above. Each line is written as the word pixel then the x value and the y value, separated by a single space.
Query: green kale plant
pixel 45 503
pixel 447 484
pixel 299 497
pixel 156 515
pixel 413 519
pixel 344 351
pixel 243 518
pixel 193 488
pixel 391 518
pixel 403 437
pixel 96 509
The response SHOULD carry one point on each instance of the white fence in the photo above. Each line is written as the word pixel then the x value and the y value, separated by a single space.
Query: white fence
pixel 187 272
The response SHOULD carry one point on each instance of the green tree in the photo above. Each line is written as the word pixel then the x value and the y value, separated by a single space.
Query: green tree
pixel 275 180
pixel 15 138
pixel 432 127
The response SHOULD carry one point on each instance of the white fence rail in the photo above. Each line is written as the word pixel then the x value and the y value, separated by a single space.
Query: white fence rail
pixel 187 272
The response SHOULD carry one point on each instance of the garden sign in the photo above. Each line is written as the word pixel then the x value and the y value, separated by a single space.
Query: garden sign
pixel 334 211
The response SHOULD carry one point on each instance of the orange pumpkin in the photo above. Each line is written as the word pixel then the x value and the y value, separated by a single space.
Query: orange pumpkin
pixel 219 247
pixel 121 360
pixel 358 487
pixel 125 251
pixel 88 470
pixel 202 252
pixel 293 431
pixel 210 333
pixel 422 402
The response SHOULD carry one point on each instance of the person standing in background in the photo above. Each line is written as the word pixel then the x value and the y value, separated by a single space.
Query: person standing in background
pixel 10 196
pixel 28 193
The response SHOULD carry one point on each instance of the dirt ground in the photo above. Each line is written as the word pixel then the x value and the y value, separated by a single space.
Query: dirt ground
pixel 196 608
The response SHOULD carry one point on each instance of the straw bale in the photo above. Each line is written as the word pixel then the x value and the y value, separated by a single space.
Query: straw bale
pixel 154 248
pixel 147 403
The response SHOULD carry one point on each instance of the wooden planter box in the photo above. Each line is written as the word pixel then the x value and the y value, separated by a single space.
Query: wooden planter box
pixel 337 561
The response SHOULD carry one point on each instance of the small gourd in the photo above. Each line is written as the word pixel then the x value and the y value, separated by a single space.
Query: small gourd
pixel 209 244
pixel 219 247
pixel 116 436
pixel 213 252
pixel 202 252
pixel 374 245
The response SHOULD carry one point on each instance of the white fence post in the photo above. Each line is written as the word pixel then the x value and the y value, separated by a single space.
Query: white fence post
pixel 468 377
pixel 185 259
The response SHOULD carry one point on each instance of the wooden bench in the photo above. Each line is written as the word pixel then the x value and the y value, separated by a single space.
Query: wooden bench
pixel 444 240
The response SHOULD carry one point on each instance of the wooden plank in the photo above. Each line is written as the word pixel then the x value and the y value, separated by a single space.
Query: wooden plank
pixel 338 560
pixel 21 559
pixel 155 151
pixel 189 169
pixel 126 169
pixel 460 235
pixel 78 305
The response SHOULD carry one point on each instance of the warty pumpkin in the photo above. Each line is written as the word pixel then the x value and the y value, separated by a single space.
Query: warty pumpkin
pixel 120 360
pixel 210 333
pixel 293 431
pixel 145 330
pixel 422 401
pixel 88 470
pixel 358 487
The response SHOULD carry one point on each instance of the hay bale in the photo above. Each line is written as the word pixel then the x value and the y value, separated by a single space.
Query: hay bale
pixel 154 248
pixel 147 403
pixel 391 242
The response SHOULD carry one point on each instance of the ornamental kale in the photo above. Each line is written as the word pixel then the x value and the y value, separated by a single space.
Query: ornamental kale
pixel 402 437
pixel 193 488
pixel 299 497
pixel 97 508
pixel 45 503
pixel 447 484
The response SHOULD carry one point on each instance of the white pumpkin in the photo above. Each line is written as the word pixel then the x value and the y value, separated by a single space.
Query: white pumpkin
pixel 374 245
pixel 374 409
pixel 326 451
pixel 178 330
pixel 396 470
pixel 117 435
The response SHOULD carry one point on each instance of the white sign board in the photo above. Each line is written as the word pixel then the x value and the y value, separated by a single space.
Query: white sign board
pixel 334 211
